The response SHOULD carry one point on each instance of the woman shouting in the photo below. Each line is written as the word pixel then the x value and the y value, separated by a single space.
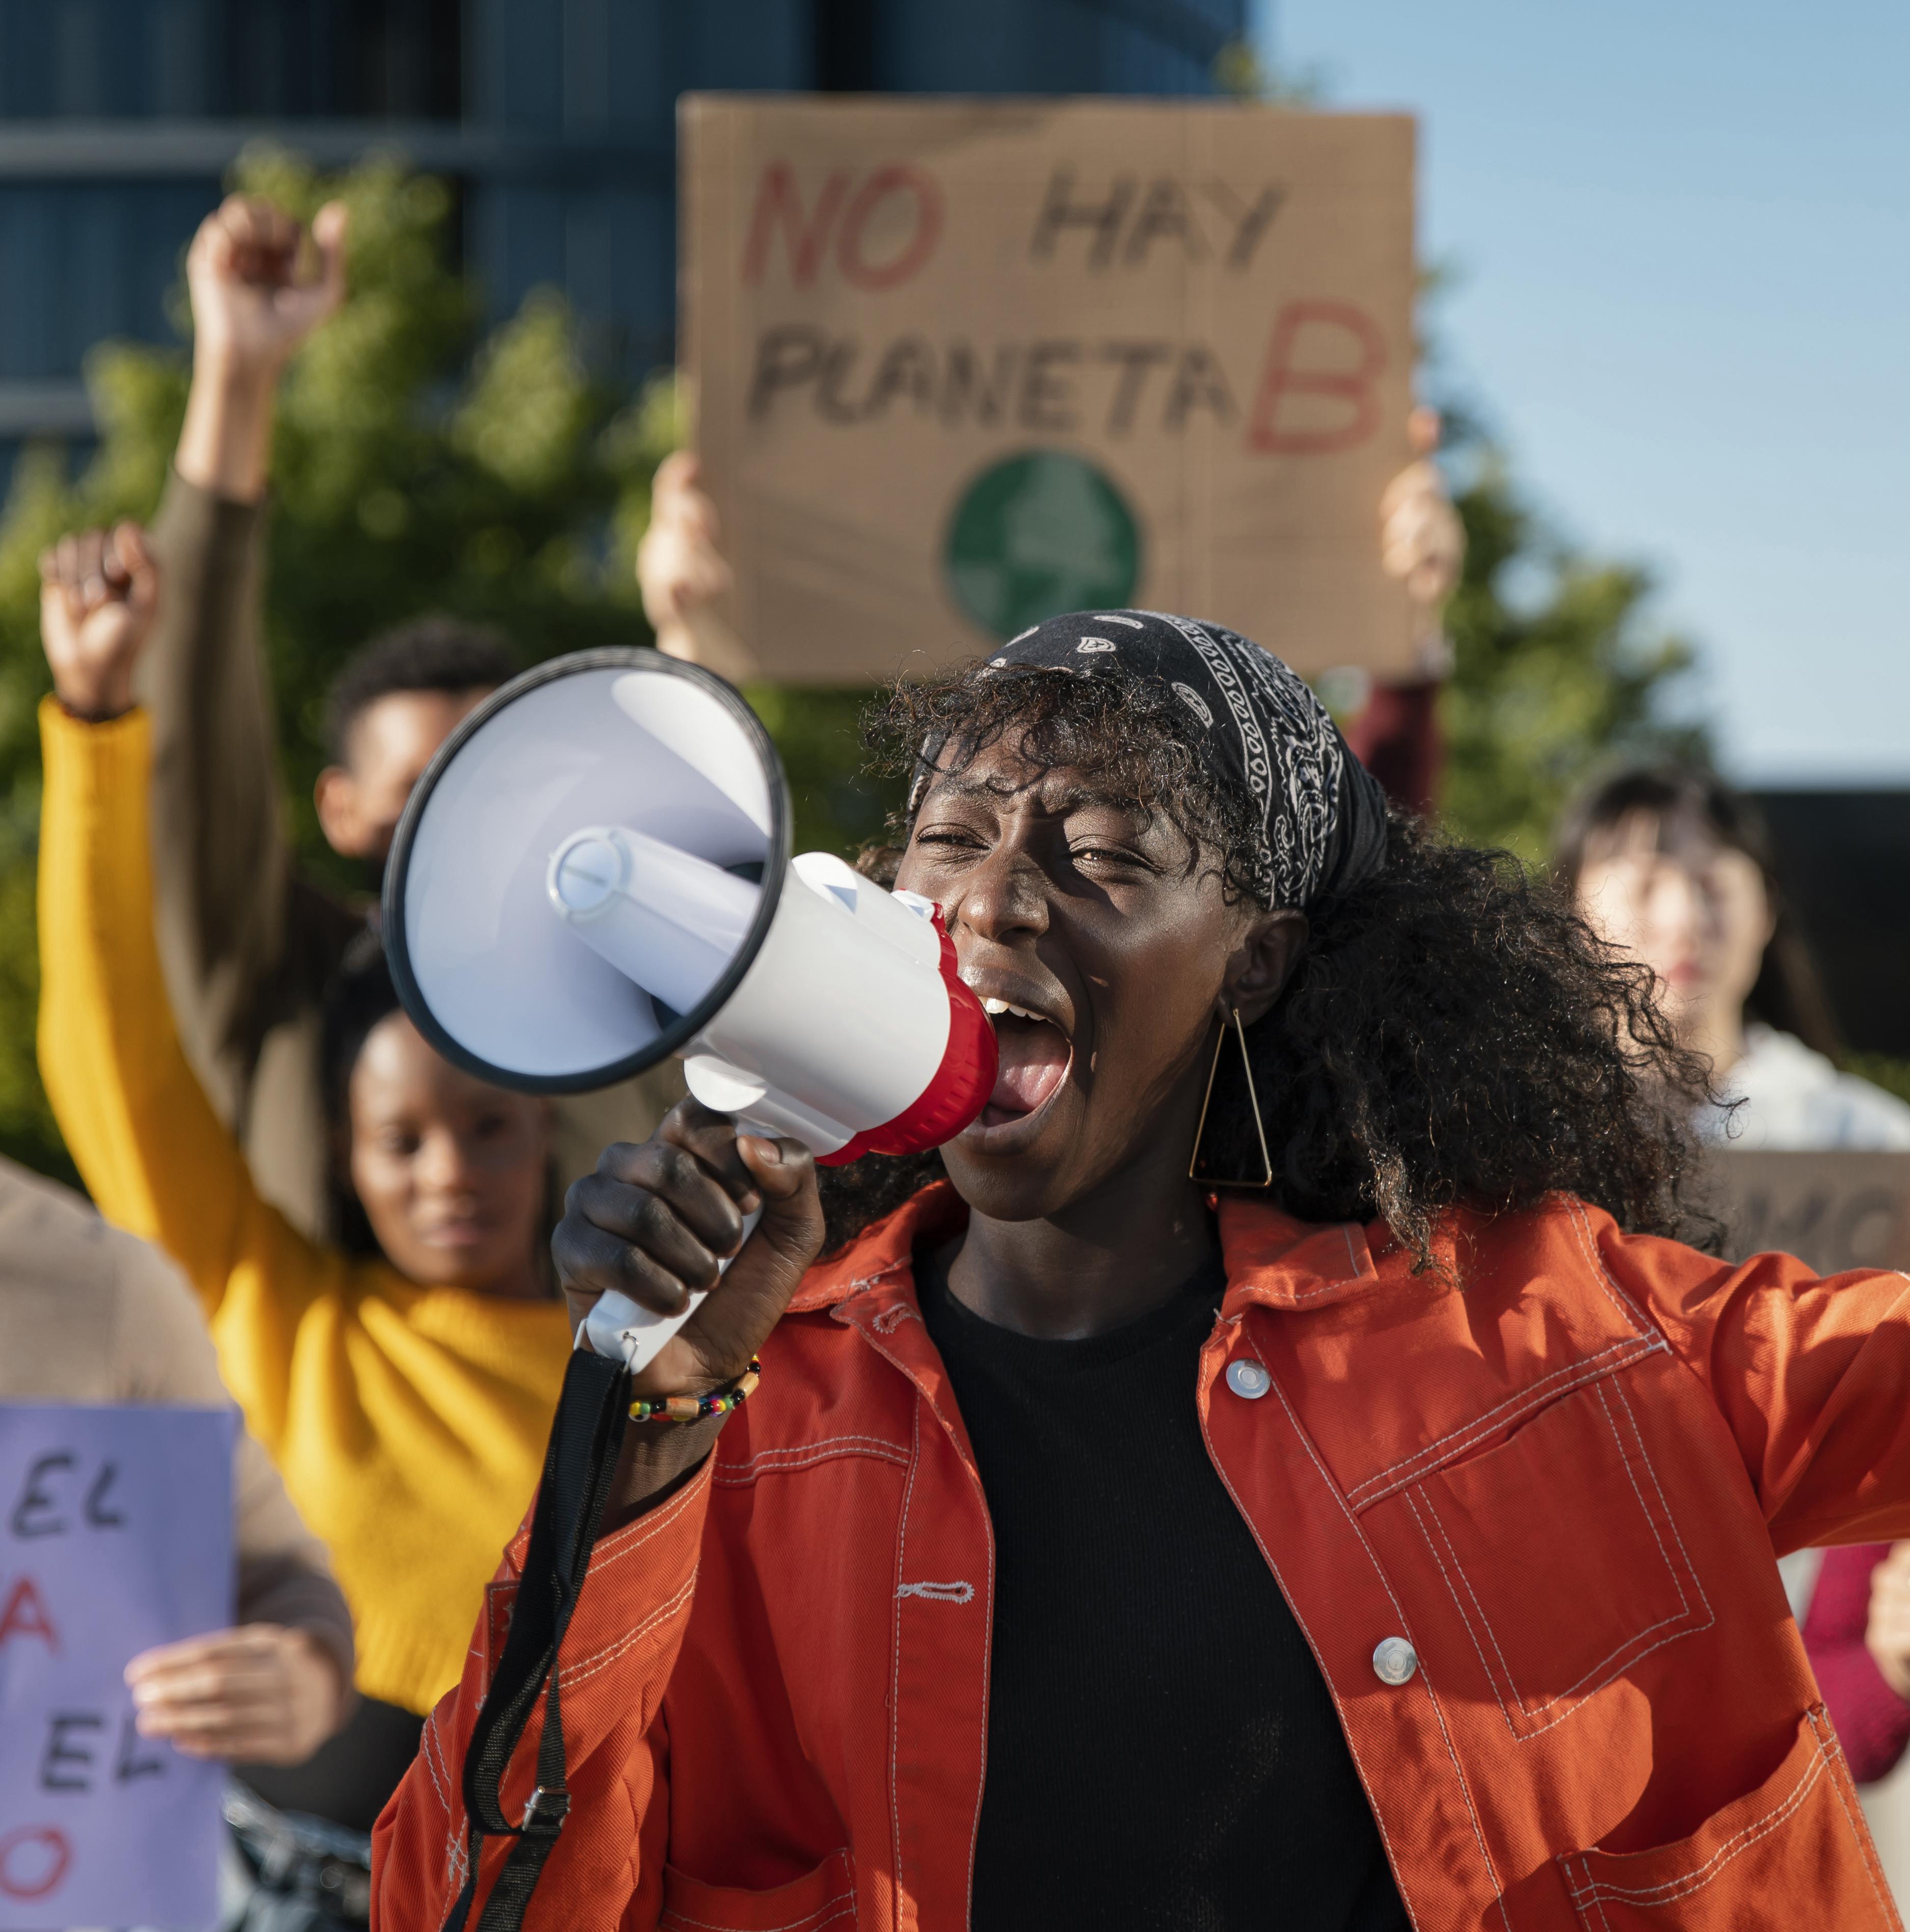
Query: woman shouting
pixel 1282 1465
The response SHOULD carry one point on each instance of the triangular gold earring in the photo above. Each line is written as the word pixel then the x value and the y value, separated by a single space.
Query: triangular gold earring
pixel 1253 1099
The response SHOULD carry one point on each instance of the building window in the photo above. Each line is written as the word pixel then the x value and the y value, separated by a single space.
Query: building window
pixel 341 59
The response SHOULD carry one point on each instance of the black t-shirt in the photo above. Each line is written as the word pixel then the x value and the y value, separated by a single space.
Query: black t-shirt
pixel 1162 1750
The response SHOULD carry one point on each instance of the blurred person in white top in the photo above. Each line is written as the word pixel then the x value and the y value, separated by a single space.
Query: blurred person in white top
pixel 1674 868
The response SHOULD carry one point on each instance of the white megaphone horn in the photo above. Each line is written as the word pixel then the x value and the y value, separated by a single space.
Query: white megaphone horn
pixel 594 874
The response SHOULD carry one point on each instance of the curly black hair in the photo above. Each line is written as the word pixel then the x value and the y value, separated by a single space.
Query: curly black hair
pixel 1453 1036
pixel 433 653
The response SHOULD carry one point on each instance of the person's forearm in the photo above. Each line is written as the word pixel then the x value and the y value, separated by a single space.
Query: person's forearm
pixel 283 1576
pixel 220 864
pixel 283 1588
pixel 701 636
pixel 658 1460
pixel 225 445
pixel 154 1157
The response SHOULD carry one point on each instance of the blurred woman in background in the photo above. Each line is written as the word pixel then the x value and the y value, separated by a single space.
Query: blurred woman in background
pixel 1675 870
pixel 403 1381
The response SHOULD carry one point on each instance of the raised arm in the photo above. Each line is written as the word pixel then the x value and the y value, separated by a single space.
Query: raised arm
pixel 682 574
pixel 221 862
pixel 155 1157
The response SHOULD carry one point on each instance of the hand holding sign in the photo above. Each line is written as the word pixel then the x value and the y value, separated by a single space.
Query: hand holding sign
pixel 683 575
pixel 1422 543
pixel 260 1694
pixel 116 1535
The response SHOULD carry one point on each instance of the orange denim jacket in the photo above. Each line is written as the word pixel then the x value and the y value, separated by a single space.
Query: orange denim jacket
pixel 1554 1472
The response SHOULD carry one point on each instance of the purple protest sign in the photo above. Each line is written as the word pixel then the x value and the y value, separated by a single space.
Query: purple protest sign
pixel 116 1535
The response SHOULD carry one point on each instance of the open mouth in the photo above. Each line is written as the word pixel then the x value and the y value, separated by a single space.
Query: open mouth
pixel 1033 1057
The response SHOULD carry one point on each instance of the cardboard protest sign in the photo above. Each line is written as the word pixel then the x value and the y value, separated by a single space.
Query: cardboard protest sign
pixel 117 1536
pixel 959 365
pixel 1836 1211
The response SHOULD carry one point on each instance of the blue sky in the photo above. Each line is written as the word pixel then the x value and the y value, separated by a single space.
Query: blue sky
pixel 1680 232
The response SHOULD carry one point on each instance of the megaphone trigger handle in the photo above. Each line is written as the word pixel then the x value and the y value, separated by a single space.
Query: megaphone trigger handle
pixel 617 1326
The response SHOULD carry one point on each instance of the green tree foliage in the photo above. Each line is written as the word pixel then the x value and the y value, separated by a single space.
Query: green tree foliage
pixel 1241 72
pixel 419 465
pixel 840 807
pixel 1559 671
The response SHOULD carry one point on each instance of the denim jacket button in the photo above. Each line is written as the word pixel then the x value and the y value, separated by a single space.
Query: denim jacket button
pixel 1395 1660
pixel 1247 1378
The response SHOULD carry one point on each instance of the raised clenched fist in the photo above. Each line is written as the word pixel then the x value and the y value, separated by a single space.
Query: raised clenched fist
pixel 98 592
pixel 257 289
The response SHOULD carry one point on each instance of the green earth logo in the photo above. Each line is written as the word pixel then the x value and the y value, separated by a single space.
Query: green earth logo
pixel 1038 534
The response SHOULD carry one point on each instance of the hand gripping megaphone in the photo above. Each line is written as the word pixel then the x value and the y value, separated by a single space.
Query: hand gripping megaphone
pixel 594 873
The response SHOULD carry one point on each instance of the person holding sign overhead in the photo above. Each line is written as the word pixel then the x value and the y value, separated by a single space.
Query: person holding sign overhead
pixel 683 575
pixel 959 365
pixel 403 1381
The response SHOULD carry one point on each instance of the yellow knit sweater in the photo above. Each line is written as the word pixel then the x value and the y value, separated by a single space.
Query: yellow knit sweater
pixel 409 1422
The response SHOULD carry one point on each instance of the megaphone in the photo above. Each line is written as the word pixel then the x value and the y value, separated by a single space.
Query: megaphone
pixel 594 873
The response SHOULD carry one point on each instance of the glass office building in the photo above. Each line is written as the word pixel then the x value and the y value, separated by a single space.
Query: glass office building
pixel 554 118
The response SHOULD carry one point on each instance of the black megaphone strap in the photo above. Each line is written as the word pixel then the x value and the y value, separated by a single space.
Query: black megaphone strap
pixel 580 1464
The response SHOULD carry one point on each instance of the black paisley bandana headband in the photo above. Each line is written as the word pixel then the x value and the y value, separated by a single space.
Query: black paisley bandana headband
pixel 1257 727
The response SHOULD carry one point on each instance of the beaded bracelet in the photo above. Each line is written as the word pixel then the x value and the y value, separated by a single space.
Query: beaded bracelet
pixel 733 1394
